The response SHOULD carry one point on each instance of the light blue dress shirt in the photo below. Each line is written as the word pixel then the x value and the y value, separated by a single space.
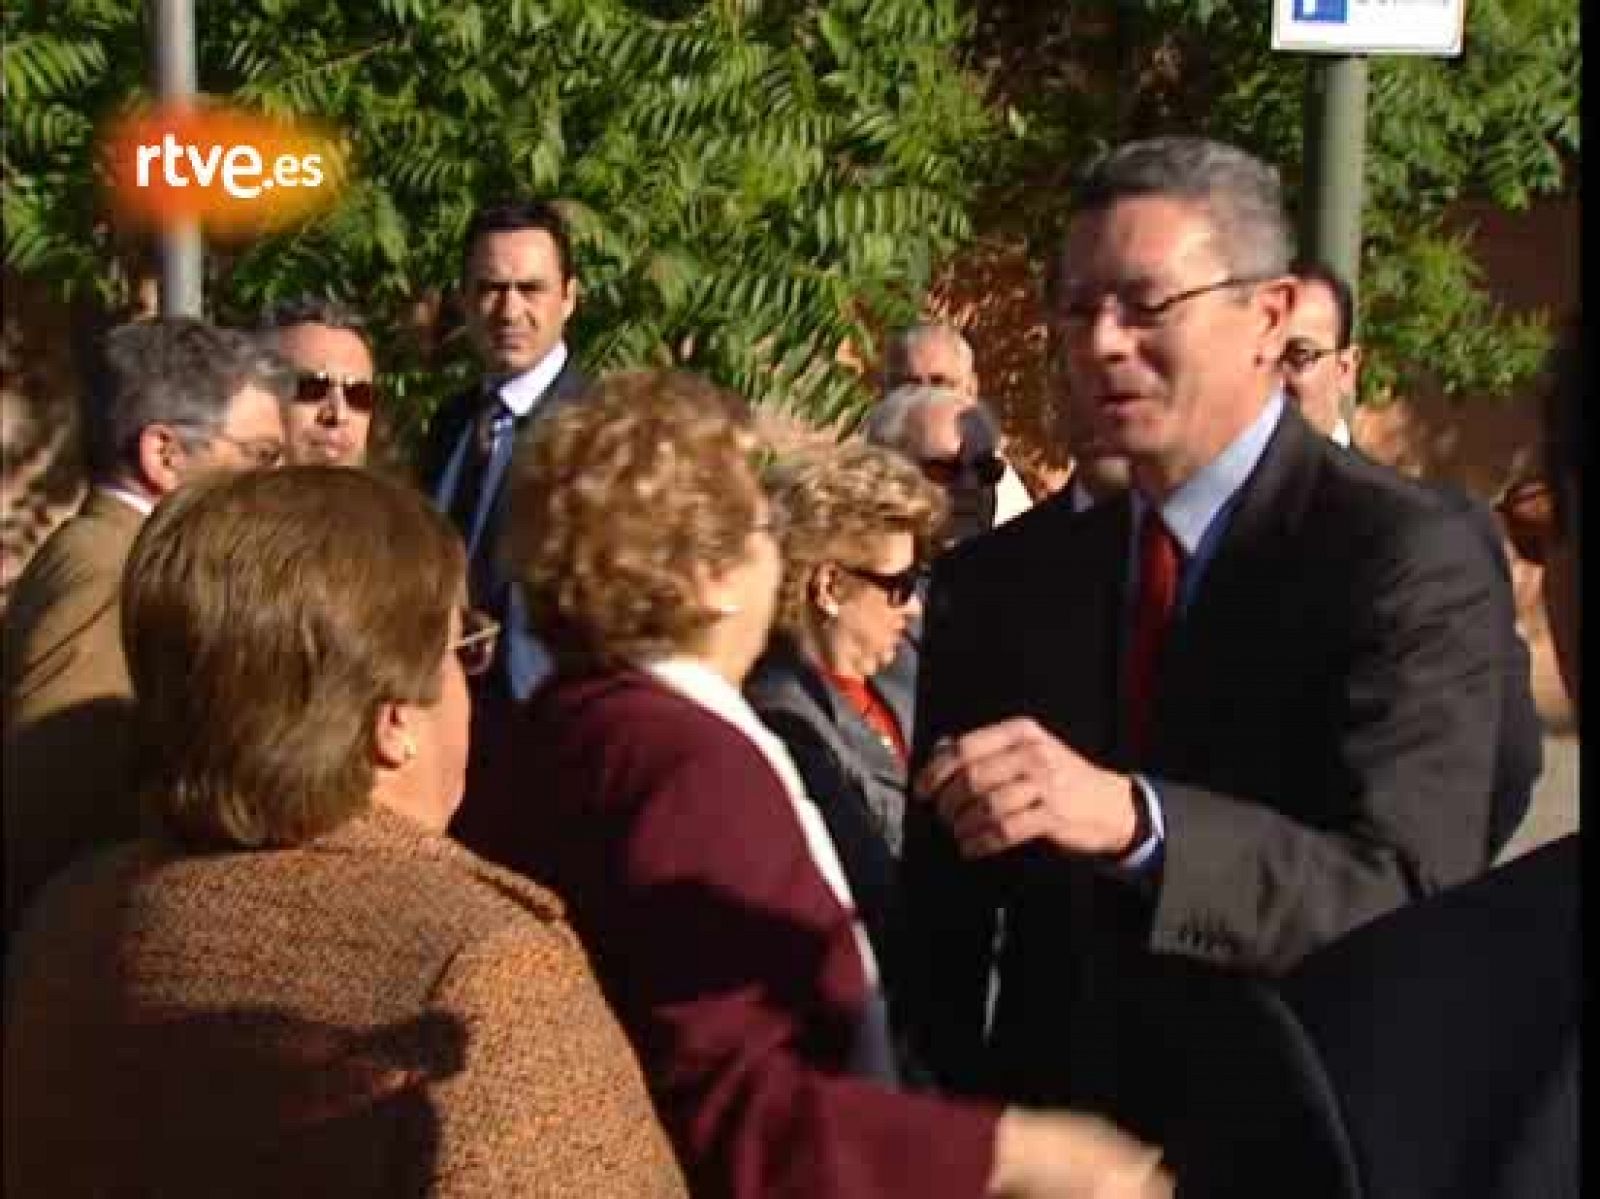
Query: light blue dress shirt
pixel 1197 514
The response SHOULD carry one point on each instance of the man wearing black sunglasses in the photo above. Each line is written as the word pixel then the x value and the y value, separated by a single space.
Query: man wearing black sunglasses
pixel 329 418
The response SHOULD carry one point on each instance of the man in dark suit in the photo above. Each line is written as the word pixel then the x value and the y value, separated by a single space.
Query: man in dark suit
pixel 1230 715
pixel 1321 368
pixel 519 292
pixel 1434 1052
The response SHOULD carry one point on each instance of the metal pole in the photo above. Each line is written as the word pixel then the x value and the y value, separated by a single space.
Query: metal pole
pixel 181 290
pixel 1335 159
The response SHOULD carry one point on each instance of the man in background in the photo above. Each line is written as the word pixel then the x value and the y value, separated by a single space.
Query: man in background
pixel 329 416
pixel 171 399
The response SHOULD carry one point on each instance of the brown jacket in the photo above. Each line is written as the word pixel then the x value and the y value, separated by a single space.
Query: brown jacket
pixel 67 700
pixel 375 1013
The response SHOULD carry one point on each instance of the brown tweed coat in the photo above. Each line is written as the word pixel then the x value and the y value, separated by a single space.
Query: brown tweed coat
pixel 375 1013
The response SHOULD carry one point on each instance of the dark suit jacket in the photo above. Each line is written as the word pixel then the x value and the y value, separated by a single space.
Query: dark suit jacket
pixel 724 953
pixel 1325 726
pixel 373 1013
pixel 488 582
pixel 857 781
pixel 1430 1055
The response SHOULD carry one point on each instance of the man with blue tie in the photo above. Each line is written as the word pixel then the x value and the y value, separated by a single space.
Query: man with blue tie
pixel 519 291
pixel 1226 717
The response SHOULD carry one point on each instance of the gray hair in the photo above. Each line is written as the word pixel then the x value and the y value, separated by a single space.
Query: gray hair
pixel 173 370
pixel 884 424
pixel 1241 194
pixel 900 343
pixel 312 310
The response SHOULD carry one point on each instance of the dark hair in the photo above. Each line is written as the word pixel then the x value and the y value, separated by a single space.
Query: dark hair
pixel 512 216
pixel 1241 194
pixel 173 370
pixel 267 616
pixel 1309 270
pixel 312 310
pixel 1562 440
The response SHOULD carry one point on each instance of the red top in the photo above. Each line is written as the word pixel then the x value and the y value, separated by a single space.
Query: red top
pixel 871 708
pixel 724 954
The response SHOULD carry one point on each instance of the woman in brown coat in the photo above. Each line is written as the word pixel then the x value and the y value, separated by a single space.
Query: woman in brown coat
pixel 297 985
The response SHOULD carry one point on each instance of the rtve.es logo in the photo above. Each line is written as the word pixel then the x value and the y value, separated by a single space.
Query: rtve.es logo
pixel 235 172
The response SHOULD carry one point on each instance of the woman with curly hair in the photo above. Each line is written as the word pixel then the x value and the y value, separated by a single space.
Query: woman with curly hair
pixel 641 787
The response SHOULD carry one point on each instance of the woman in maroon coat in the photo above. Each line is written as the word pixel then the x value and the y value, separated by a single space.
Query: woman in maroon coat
pixel 640 786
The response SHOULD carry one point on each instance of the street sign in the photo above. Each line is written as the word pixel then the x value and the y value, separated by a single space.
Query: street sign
pixel 1369 26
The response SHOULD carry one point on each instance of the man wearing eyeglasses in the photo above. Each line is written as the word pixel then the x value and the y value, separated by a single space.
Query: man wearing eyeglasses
pixel 519 291
pixel 1321 372
pixel 329 417
pixel 1230 715
pixel 1321 360
pixel 169 400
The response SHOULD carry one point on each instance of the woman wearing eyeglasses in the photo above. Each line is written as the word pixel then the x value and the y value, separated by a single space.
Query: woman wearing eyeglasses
pixel 641 787
pixel 297 985
pixel 857 522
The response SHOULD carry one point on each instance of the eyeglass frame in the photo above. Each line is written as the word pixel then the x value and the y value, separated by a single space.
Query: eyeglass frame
pixel 1131 314
pixel 898 588
pixel 345 384
pixel 486 630
pixel 245 447
pixel 1312 354
pixel 1530 533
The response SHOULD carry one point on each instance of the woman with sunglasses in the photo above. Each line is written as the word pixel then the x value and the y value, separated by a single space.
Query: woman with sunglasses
pixel 858 521
pixel 641 787
pixel 297 985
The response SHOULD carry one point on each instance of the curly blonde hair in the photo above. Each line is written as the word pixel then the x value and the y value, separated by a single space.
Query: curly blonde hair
pixel 839 504
pixel 616 501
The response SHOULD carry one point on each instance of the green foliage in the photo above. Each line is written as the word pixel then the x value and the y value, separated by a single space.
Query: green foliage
pixel 1499 123
pixel 752 184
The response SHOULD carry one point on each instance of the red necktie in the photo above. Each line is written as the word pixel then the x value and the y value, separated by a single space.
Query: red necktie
pixel 1160 557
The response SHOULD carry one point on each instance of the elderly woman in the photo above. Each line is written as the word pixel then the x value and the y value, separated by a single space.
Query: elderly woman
pixel 857 522
pixel 642 787
pixel 298 985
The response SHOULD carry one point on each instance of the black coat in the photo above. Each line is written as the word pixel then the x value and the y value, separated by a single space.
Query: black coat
pixel 857 781
pixel 1325 732
pixel 1432 1054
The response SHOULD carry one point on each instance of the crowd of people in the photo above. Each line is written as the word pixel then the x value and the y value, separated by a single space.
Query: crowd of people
pixel 620 809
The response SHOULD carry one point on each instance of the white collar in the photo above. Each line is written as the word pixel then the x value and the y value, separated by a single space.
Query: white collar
pixel 141 504
pixel 521 392
pixel 700 684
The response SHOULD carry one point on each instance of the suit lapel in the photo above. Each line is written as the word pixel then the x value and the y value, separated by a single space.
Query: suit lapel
pixel 1070 637
pixel 1242 578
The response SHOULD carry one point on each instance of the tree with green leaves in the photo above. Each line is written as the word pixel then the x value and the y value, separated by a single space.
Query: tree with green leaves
pixel 753 186
pixel 1499 123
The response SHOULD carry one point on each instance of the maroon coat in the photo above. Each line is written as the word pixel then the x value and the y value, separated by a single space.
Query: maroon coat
pixel 726 957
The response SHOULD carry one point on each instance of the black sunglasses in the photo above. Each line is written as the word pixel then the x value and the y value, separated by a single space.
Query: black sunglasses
pixel 897 588
pixel 1527 510
pixel 313 387
pixel 985 469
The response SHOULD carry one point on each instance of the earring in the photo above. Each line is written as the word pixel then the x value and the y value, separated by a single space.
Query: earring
pixel 408 748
